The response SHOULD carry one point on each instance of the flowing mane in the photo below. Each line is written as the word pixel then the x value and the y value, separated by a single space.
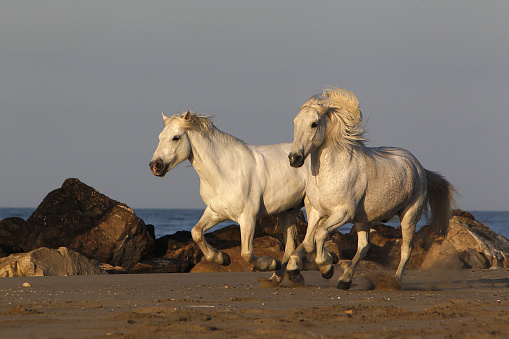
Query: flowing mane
pixel 202 124
pixel 342 108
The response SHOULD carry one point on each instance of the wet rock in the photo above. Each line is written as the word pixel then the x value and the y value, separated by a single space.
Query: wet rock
pixel 79 217
pixel 48 262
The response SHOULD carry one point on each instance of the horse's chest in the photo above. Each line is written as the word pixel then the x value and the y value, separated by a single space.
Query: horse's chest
pixel 324 196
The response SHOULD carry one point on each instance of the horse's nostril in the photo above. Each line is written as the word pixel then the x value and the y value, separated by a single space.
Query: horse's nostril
pixel 157 165
pixel 296 160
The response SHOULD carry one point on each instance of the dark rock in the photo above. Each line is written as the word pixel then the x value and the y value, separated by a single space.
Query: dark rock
pixel 79 217
pixel 11 232
pixel 181 245
pixel 7 250
pixel 269 226
pixel 162 265
pixel 461 213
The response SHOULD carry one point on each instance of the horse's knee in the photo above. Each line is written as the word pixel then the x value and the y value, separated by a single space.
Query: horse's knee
pixel 196 234
pixel 309 246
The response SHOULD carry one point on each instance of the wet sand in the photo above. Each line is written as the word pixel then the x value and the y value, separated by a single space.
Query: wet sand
pixel 455 304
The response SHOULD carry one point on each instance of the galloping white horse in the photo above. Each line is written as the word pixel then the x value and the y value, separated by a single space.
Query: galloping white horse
pixel 352 183
pixel 237 182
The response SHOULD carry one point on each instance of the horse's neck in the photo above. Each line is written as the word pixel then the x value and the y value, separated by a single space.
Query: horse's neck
pixel 327 159
pixel 213 155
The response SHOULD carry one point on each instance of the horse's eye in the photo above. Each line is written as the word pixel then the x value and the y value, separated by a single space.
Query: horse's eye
pixel 314 125
pixel 176 138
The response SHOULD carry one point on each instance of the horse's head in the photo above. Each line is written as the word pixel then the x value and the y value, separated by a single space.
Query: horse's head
pixel 309 132
pixel 174 145
pixel 332 117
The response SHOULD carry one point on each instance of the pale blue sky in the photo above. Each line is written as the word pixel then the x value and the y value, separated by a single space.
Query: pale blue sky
pixel 83 85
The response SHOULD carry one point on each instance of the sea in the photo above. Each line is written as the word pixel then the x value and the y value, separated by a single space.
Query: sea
pixel 169 221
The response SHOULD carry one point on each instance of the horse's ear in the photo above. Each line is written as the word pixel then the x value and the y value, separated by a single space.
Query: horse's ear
pixel 187 115
pixel 165 118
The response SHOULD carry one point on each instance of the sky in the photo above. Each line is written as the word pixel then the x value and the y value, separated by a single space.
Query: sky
pixel 83 85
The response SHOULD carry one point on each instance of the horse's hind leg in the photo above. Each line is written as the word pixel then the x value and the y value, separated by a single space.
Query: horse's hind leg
pixel 288 225
pixel 408 223
pixel 362 249
pixel 208 220
pixel 247 228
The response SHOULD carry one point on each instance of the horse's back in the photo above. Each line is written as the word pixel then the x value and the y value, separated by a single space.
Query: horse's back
pixel 396 179
pixel 284 185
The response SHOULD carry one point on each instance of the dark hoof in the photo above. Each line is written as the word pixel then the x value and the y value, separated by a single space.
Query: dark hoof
pixel 292 275
pixel 278 265
pixel 226 259
pixel 334 257
pixel 329 274
pixel 344 285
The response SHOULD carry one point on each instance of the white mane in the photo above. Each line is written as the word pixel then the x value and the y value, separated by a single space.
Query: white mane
pixel 202 124
pixel 342 108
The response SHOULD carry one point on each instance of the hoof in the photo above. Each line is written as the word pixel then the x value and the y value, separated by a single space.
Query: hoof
pixel 334 257
pixel 278 265
pixel 344 285
pixel 292 275
pixel 226 259
pixel 329 274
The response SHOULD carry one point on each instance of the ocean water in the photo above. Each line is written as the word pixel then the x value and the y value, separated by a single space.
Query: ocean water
pixel 169 221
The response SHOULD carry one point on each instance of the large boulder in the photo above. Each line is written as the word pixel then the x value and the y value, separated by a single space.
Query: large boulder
pixel 80 218
pixel 469 244
pixel 47 262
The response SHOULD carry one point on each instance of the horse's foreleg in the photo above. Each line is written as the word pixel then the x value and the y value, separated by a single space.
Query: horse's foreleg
pixel 288 225
pixel 208 220
pixel 308 244
pixel 362 249
pixel 247 227
pixel 323 259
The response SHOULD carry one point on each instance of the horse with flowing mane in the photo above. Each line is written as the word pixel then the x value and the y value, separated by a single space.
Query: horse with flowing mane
pixel 352 183
pixel 237 182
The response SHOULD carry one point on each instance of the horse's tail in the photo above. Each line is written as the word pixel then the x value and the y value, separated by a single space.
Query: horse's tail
pixel 440 198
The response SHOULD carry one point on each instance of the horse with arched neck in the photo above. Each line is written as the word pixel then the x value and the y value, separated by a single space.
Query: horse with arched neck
pixel 238 182
pixel 352 183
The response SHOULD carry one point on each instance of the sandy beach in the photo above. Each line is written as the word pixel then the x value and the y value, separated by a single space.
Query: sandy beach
pixel 458 304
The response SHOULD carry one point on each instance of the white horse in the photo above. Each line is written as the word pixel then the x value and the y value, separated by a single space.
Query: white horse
pixel 237 182
pixel 352 183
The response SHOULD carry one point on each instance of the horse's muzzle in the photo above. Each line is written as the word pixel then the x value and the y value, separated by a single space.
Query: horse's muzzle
pixel 296 160
pixel 158 168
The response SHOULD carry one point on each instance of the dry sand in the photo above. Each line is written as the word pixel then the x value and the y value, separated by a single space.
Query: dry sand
pixel 456 304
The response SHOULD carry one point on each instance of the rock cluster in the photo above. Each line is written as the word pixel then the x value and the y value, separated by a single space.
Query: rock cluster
pixel 77 230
